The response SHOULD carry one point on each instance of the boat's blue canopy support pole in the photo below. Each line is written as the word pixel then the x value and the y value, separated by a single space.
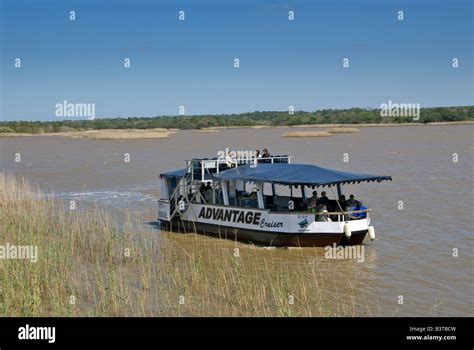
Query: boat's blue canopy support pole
pixel 339 194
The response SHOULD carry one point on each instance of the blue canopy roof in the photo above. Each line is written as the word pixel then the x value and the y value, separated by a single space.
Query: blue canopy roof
pixel 295 174
pixel 175 173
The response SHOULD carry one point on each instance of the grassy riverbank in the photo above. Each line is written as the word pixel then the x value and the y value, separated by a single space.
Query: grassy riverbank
pixel 134 134
pixel 88 267
pixel 106 134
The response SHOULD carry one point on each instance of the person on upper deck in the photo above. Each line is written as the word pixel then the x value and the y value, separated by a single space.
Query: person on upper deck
pixel 266 154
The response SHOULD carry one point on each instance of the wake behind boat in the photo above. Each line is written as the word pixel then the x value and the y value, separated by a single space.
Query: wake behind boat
pixel 264 201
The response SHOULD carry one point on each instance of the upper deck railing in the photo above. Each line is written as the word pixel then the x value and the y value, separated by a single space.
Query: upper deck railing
pixel 202 166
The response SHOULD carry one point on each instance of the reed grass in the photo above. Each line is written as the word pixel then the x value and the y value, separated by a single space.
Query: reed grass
pixel 90 266
pixel 307 134
pixel 118 134
pixel 343 130
pixel 208 130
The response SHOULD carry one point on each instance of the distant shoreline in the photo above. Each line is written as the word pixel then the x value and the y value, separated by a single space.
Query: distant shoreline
pixel 324 118
pixel 161 133
pixel 339 125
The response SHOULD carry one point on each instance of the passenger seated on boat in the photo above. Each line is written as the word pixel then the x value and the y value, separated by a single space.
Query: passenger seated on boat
pixel 231 163
pixel 222 167
pixel 320 208
pixel 265 156
pixel 322 214
pixel 358 207
pixel 323 199
pixel 352 202
pixel 342 202
pixel 349 210
pixel 332 205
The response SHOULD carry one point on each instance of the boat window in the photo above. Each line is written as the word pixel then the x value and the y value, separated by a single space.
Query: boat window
pixel 267 189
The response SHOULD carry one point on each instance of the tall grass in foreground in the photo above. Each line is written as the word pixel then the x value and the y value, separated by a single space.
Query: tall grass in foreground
pixel 87 267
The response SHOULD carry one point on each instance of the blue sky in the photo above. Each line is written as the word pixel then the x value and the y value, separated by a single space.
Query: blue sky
pixel 190 62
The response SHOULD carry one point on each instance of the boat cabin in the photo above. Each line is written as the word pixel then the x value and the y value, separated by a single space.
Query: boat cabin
pixel 272 184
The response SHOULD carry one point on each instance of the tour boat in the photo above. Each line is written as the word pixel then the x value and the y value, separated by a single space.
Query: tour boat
pixel 264 201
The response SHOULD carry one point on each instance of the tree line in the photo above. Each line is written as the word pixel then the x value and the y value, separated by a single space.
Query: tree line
pixel 269 118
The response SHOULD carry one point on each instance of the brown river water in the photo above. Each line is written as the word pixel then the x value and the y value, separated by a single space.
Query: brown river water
pixel 412 255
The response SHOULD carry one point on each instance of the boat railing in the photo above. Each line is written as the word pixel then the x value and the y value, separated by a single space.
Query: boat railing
pixel 347 215
pixel 336 216
pixel 201 167
pixel 346 212
pixel 273 159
